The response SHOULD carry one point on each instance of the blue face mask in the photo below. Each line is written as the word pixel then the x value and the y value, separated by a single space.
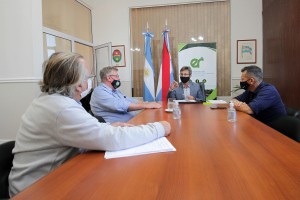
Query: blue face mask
pixel 245 85
pixel 116 83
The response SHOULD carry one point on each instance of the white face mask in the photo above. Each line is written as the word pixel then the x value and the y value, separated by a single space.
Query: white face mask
pixel 87 91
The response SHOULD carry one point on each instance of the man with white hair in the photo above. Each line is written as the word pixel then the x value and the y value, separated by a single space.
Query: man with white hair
pixel 55 127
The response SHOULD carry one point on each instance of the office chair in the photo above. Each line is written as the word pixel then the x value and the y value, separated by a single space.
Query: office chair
pixel 202 88
pixel 6 159
pixel 100 119
pixel 289 126
pixel 86 105
pixel 86 101
pixel 292 112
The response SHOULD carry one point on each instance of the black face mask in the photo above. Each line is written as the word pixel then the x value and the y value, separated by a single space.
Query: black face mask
pixel 116 83
pixel 184 79
pixel 245 85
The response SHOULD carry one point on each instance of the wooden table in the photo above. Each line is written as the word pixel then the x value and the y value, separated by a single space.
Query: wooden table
pixel 215 159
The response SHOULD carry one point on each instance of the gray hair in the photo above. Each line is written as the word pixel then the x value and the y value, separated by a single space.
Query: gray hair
pixel 186 68
pixel 254 71
pixel 106 71
pixel 62 73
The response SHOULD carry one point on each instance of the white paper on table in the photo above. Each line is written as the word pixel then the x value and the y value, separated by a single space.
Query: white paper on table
pixel 218 104
pixel 183 101
pixel 217 101
pixel 158 145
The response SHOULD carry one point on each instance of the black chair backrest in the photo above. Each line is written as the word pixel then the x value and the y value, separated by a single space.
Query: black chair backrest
pixel 100 119
pixel 6 158
pixel 86 104
pixel 202 88
pixel 289 126
pixel 86 101
pixel 292 112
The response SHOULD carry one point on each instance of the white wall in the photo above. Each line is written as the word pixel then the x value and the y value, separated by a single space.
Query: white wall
pixel 21 39
pixel 246 23
pixel 21 46
pixel 21 55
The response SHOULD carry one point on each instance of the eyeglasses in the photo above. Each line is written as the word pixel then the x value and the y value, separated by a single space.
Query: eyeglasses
pixel 184 75
pixel 116 75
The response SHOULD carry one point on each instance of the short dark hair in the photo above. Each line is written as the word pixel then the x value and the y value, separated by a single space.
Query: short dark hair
pixel 186 68
pixel 253 70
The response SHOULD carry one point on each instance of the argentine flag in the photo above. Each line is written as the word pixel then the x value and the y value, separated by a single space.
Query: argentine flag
pixel 166 74
pixel 149 93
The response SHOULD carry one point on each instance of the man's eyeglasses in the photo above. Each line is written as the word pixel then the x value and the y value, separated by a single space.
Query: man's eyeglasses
pixel 116 75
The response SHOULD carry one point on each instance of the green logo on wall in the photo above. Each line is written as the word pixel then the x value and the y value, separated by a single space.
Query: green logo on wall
pixel 195 62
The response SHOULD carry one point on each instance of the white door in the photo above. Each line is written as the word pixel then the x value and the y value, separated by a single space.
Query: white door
pixel 102 58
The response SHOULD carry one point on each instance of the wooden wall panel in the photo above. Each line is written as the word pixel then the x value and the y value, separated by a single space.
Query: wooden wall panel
pixel 68 16
pixel 281 48
pixel 210 20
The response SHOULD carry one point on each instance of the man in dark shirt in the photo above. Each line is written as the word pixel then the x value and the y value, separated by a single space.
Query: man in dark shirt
pixel 261 100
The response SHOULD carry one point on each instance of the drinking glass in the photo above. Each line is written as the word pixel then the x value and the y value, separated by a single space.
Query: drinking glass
pixel 171 103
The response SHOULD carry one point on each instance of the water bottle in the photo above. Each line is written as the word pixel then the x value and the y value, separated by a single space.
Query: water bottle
pixel 176 111
pixel 231 117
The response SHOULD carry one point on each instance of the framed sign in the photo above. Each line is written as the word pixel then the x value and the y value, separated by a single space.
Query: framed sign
pixel 246 51
pixel 118 56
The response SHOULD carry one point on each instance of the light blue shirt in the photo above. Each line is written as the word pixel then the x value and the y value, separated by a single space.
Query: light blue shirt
pixel 111 104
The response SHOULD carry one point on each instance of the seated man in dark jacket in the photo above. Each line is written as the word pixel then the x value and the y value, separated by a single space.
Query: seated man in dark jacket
pixel 261 100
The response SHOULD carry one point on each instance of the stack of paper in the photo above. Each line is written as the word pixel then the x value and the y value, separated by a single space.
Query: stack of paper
pixel 159 145
pixel 182 101
pixel 218 103
pixel 188 101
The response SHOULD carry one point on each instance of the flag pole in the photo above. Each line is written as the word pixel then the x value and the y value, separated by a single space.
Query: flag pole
pixel 166 76
pixel 147 27
pixel 166 25
pixel 149 91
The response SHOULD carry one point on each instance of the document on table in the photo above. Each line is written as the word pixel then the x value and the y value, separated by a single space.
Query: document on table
pixel 215 104
pixel 182 101
pixel 156 146
pixel 188 101
pixel 217 101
